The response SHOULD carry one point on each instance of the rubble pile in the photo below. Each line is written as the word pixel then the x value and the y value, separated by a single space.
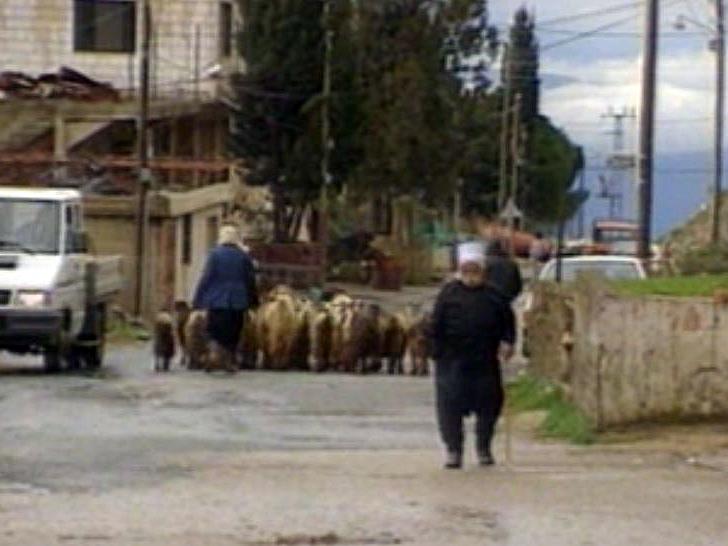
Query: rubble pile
pixel 65 84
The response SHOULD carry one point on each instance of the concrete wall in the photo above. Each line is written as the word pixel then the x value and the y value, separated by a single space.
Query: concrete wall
pixel 111 222
pixel 37 36
pixel 202 242
pixel 633 359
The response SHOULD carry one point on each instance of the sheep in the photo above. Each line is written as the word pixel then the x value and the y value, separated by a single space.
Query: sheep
pixel 278 330
pixel 361 342
pixel 302 345
pixel 249 342
pixel 393 342
pixel 321 334
pixel 419 346
pixel 341 311
pixel 196 340
pixel 164 341
pixel 182 313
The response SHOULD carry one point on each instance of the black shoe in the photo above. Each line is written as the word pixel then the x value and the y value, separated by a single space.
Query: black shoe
pixel 485 458
pixel 454 460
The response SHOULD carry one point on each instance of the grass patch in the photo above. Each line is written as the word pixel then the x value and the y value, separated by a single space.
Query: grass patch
pixel 697 286
pixel 563 420
pixel 125 332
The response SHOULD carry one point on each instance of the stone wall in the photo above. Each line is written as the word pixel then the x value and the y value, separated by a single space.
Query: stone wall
pixel 632 359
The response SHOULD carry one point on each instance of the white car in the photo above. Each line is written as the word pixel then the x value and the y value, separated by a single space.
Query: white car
pixel 614 268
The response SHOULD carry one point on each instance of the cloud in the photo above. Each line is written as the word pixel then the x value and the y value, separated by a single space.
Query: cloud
pixel 685 100
pixel 583 79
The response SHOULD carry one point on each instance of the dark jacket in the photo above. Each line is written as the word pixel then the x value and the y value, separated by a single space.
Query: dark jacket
pixel 468 327
pixel 228 281
pixel 504 275
pixel 470 323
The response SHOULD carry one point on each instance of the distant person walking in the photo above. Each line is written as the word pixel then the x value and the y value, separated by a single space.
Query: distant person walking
pixel 227 290
pixel 473 330
pixel 502 273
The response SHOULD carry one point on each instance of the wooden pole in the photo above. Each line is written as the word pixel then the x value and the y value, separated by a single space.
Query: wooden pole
pixel 143 153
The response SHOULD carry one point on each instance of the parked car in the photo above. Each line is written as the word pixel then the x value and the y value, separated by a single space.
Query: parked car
pixel 54 294
pixel 611 267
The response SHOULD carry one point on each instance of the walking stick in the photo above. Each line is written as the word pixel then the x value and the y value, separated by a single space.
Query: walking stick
pixel 508 417
pixel 509 435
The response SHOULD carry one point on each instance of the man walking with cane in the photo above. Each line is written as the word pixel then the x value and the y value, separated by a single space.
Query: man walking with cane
pixel 473 330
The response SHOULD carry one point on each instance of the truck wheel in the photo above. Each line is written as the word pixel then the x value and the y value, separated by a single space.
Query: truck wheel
pixel 73 358
pixel 52 360
pixel 92 355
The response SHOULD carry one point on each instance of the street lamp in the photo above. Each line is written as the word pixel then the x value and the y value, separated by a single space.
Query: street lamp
pixel 717 44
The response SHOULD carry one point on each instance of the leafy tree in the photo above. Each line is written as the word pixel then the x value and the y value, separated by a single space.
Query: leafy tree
pixel 282 43
pixel 552 162
pixel 415 55
pixel 551 170
pixel 522 66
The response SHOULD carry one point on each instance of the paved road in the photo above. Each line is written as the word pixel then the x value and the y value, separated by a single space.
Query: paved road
pixel 132 458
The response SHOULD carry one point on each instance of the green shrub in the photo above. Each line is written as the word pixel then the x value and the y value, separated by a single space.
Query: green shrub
pixel 563 419
pixel 348 272
pixel 710 259
pixel 694 286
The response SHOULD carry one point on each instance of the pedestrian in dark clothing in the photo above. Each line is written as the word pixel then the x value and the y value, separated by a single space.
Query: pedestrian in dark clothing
pixel 473 330
pixel 502 273
pixel 227 290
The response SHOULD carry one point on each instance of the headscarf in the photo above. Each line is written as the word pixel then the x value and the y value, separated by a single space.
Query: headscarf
pixel 229 235
pixel 473 252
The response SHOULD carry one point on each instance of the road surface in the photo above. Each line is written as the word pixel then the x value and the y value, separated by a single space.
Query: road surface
pixel 185 459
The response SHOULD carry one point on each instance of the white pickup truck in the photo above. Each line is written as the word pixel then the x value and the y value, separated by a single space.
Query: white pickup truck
pixel 54 295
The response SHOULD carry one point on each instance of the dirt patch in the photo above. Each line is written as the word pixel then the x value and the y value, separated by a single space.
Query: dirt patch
pixel 333 538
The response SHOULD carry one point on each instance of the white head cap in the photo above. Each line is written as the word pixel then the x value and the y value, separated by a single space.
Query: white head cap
pixel 473 252
pixel 229 235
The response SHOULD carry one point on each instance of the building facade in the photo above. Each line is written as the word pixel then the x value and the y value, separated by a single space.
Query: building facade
pixel 191 41
pixel 58 129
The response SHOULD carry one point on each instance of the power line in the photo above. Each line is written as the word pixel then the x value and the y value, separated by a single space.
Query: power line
pixel 595 31
pixel 587 33
pixel 622 34
pixel 594 13
pixel 664 121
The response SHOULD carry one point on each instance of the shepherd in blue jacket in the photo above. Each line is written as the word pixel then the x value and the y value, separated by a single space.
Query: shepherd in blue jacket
pixel 227 290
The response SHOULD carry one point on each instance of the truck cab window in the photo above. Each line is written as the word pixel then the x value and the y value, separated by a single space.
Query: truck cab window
pixel 29 225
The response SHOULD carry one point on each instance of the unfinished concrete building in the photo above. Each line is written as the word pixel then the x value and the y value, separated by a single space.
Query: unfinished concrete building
pixel 69 90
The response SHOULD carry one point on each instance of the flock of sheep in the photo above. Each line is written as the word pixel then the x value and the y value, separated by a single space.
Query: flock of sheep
pixel 291 332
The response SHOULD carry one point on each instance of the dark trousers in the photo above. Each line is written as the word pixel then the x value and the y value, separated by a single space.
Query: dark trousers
pixel 461 395
pixel 224 326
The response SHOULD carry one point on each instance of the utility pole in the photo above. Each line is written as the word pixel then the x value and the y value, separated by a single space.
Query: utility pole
pixel 647 128
pixel 516 151
pixel 143 151
pixel 719 111
pixel 198 55
pixel 457 209
pixel 618 165
pixel 326 122
pixel 505 131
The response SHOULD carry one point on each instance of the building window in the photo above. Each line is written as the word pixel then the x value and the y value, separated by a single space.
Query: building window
pixel 226 29
pixel 187 239
pixel 105 26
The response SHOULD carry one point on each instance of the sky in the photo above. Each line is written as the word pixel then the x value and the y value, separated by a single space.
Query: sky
pixel 582 80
